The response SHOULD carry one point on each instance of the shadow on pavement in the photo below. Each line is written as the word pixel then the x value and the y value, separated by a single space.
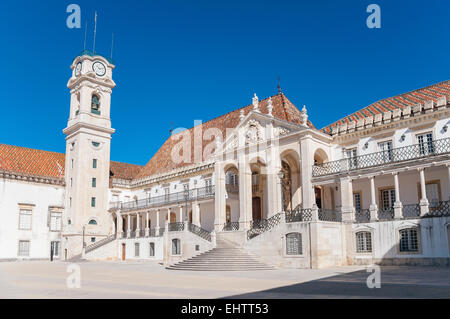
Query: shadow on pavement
pixel 401 282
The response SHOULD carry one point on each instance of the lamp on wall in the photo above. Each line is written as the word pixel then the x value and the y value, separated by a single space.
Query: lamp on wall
pixel 445 128
pixel 402 138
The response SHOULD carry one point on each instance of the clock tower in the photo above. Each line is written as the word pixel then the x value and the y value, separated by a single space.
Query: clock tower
pixel 88 136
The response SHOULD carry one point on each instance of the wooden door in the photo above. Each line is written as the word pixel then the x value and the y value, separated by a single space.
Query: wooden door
pixel 124 249
pixel 256 208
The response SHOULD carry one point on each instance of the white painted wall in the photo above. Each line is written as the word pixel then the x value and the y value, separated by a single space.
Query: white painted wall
pixel 42 196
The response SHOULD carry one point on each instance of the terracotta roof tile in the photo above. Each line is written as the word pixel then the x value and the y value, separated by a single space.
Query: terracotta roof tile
pixel 50 164
pixel 432 92
pixel 162 161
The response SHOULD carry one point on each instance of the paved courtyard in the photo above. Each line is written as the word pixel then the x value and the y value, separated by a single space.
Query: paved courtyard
pixel 40 279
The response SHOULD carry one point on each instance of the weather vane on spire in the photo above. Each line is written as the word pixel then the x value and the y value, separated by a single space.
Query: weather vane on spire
pixel 279 85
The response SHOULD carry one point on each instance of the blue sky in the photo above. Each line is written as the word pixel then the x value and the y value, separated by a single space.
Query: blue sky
pixel 177 61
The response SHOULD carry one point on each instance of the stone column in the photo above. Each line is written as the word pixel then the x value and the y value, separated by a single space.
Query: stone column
pixel 398 212
pixel 347 209
pixel 180 214
pixel 196 213
pixel 424 208
pixel 245 194
pixel 166 225
pixel 307 161
pixel 273 184
pixel 157 223
pixel 147 229
pixel 128 225
pixel 119 225
pixel 373 204
pixel 138 224
pixel 220 199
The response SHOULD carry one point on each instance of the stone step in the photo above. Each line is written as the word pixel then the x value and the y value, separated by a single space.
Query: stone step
pixel 225 257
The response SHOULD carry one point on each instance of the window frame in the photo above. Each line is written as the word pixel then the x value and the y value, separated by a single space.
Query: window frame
pixel 298 249
pixel 177 248
pixel 19 248
pixel 151 249
pixel 366 242
pixel 137 249
pixel 418 240
pixel 93 202
pixel 58 216
pixel 27 209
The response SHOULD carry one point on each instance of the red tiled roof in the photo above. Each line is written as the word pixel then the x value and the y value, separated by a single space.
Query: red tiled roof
pixel 432 92
pixel 162 161
pixel 124 170
pixel 50 164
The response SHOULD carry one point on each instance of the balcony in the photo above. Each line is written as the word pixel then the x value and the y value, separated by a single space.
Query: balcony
pixel 396 155
pixel 174 198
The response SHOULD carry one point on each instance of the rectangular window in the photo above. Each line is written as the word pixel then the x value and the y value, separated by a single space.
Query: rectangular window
pixel 432 190
pixel 425 142
pixel 166 193
pixel 25 219
pixel 409 240
pixel 71 182
pixel 387 198
pixel 294 244
pixel 93 202
pixel 94 163
pixel 24 248
pixel 208 185
pixel 364 242
pixel 92 239
pixel 94 182
pixel 136 250
pixel 176 247
pixel 55 247
pixel 71 164
pixel 357 201
pixel 152 249
pixel 351 156
pixel 55 221
pixel 70 202
pixel 386 153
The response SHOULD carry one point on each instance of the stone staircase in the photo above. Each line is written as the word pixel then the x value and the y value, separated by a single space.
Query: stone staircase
pixel 225 257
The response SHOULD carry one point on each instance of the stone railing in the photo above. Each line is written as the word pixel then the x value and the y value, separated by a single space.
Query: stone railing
pixel 173 198
pixel 396 155
pixel 100 243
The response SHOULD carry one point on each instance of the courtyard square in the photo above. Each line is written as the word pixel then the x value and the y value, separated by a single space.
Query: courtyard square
pixel 42 279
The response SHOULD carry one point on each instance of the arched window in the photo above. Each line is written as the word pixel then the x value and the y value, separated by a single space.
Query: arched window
pixel 176 246
pixel 152 249
pixel 92 222
pixel 409 240
pixel 231 177
pixel 294 244
pixel 95 104
pixel 231 181
pixel 363 242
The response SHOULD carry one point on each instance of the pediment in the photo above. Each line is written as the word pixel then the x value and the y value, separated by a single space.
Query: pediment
pixel 254 128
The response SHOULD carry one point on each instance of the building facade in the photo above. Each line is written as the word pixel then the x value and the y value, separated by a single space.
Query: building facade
pixel 373 187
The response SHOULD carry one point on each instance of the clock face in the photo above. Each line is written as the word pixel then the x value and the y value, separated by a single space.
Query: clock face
pixel 99 68
pixel 78 69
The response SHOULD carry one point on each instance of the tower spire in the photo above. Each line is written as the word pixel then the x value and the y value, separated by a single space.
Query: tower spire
pixel 95 31
pixel 279 85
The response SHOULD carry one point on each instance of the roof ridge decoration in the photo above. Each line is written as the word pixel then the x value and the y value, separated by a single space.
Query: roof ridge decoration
pixel 391 116
pixel 162 161
pixel 435 92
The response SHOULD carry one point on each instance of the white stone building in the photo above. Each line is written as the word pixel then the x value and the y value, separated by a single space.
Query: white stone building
pixel 257 187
